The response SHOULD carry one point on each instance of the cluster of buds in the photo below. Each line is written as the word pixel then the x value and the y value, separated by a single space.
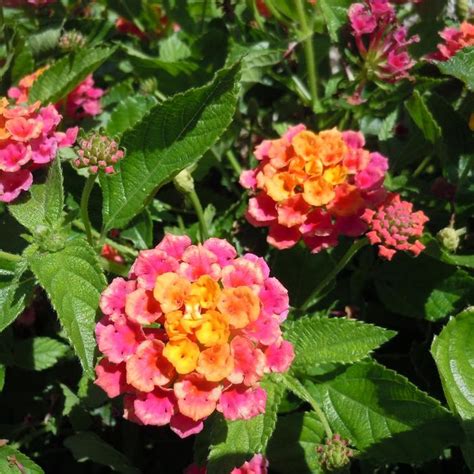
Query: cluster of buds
pixel 71 41
pixel 335 454
pixel 314 187
pixel 98 152
pixel 455 39
pixel 394 226
pixel 381 41
pixel 28 141
pixel 192 330
pixel 257 465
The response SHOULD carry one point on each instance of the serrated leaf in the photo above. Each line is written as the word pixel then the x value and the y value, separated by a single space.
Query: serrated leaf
pixel 335 15
pixel 172 49
pixel 73 281
pixel 140 231
pixel 319 341
pixel 384 415
pixel 87 446
pixel 421 115
pixel 67 73
pixel 453 352
pixel 292 447
pixel 43 206
pixel 13 461
pixel 171 137
pixel 38 353
pixel 128 113
pixel 460 66
pixel 234 442
pixel 15 289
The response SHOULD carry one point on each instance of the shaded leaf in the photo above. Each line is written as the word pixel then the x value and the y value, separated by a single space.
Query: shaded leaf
pixel 460 66
pixel 335 15
pixel 423 118
pixel 11 460
pixel 38 353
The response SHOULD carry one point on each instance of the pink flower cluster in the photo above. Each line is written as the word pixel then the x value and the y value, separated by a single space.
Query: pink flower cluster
pixel 381 41
pixel 23 3
pixel 314 187
pixel 455 39
pixel 83 101
pixel 394 226
pixel 98 152
pixel 28 141
pixel 257 465
pixel 192 330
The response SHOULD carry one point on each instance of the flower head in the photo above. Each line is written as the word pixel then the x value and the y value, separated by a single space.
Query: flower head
pixel 98 152
pixel 71 41
pixel 28 140
pixel 313 186
pixel 258 464
pixel 455 39
pixel 394 226
pixel 193 330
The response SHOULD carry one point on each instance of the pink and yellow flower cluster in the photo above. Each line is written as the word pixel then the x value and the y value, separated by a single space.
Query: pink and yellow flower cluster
pixel 455 39
pixel 28 141
pixel 192 330
pixel 314 186
pixel 258 464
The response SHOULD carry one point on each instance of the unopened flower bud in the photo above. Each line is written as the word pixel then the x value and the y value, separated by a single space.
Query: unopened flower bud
pixel 450 238
pixel 462 9
pixel 148 86
pixel 98 152
pixel 184 182
pixel 71 41
pixel 335 454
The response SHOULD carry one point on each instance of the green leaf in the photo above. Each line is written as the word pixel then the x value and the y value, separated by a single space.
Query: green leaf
pixel 66 73
pixel 14 462
pixel 171 137
pixel 87 446
pixel 172 49
pixel 421 115
pixel 2 377
pixel 335 15
pixel 319 341
pixel 453 352
pixel 44 204
pixel 74 410
pixel 140 231
pixel 431 289
pixel 234 442
pixel 73 280
pixel 292 447
pixel 385 415
pixel 38 353
pixel 128 113
pixel 460 66
pixel 16 288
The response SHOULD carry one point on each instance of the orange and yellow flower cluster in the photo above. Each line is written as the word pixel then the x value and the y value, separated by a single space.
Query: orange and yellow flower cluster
pixel 193 330
pixel 314 186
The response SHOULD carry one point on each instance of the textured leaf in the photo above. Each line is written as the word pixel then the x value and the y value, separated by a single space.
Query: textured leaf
pixel 73 280
pixel 292 447
pixel 335 14
pixel 319 341
pixel 87 446
pixel 460 66
pixel 234 442
pixel 38 353
pixel 15 289
pixel 14 462
pixel 453 352
pixel 173 49
pixel 385 415
pixel 67 73
pixel 128 113
pixel 423 118
pixel 140 231
pixel 44 204
pixel 171 137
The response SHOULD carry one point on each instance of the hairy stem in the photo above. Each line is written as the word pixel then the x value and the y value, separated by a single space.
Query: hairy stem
pixel 86 193
pixel 11 257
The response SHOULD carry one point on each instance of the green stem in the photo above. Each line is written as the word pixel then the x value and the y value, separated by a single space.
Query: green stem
pixel 203 15
pixel 346 258
pixel 307 35
pixel 234 162
pixel 86 193
pixel 422 166
pixel 11 257
pixel 194 198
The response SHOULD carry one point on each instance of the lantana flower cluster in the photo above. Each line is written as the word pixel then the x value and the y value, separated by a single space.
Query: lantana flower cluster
pixel 455 39
pixel 192 330
pixel 23 3
pixel 381 41
pixel 83 101
pixel 258 464
pixel 28 141
pixel 314 186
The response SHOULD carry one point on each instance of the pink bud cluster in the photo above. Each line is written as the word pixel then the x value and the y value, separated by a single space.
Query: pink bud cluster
pixel 28 141
pixel 394 226
pixel 381 41
pixel 192 330
pixel 98 152
pixel 257 465
pixel 455 39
